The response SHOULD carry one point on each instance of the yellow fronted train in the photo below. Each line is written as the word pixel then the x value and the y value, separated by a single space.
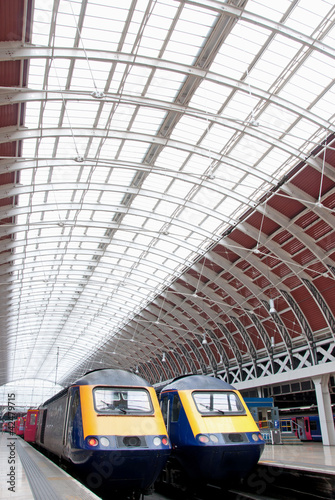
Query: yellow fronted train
pixel 214 437
pixel 109 426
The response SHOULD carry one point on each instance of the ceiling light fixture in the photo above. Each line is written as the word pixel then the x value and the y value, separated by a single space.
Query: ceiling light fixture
pixel 97 94
pixel 272 309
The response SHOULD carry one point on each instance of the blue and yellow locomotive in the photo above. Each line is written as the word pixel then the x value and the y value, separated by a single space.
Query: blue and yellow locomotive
pixel 109 426
pixel 213 435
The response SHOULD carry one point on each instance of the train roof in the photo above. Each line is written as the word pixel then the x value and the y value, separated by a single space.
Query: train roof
pixel 113 377
pixel 191 382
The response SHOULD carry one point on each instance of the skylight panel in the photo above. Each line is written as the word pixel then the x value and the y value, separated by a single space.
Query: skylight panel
pixel 229 205
pixel 273 12
pixel 144 203
pixel 99 174
pixel 134 221
pixel 171 159
pixel 166 208
pixel 109 148
pixel 189 130
pixel 305 18
pixel 41 29
pixel 275 163
pixel 96 71
pixel 249 147
pixel 142 239
pixel 211 224
pixel 297 91
pixel 156 182
pixel 207 198
pixel 45 146
pixel 241 106
pixel 120 116
pixel 209 97
pixel 324 106
pixel 265 73
pixel 121 176
pixel 148 120
pixel 65 36
pixel 79 114
pixel 319 67
pixel 308 81
pixel 179 53
pixel 228 175
pixel 133 150
pixel 36 76
pixel 152 224
pixel 41 175
pixel 172 82
pixel 299 134
pixel 217 137
pixel 277 119
pixel 197 165
pixel 102 216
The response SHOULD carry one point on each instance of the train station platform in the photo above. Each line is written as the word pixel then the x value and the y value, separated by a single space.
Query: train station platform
pixel 308 456
pixel 26 474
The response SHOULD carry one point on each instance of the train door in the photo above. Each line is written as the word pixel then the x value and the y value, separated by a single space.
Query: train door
pixel 165 408
pixel 73 401
pixel 301 428
pixel 307 429
pixel 171 406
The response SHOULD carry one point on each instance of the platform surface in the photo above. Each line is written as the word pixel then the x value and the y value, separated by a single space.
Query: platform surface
pixel 306 457
pixel 26 474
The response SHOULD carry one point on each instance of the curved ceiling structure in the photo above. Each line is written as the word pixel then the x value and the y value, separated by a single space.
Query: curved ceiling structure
pixel 167 187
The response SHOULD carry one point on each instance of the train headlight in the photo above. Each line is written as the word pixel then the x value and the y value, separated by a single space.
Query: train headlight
pixel 213 438
pixel 92 441
pixel 157 441
pixel 255 437
pixel 203 438
pixel 165 441
pixel 104 441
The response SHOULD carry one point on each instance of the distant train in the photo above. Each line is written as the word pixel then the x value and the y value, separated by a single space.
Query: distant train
pixel 109 426
pixel 213 435
pixel 19 425
pixel 307 427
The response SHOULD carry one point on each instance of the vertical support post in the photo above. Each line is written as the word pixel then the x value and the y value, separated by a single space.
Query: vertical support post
pixel 325 410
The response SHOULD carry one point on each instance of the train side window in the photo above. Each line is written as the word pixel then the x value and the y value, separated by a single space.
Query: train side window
pixel 313 425
pixel 176 406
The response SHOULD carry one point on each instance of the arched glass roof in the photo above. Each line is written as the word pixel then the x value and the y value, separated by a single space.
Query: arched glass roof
pixel 146 130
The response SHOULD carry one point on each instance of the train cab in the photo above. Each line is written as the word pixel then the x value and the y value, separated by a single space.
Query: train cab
pixel 213 435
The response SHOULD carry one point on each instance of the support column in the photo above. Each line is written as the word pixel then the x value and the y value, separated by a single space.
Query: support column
pixel 325 410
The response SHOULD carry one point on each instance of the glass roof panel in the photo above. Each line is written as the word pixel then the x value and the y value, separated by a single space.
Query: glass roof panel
pixel 156 132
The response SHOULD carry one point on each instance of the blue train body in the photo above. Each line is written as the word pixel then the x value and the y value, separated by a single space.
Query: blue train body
pixel 109 427
pixel 214 437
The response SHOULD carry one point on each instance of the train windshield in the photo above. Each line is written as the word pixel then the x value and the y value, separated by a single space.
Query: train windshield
pixel 116 401
pixel 218 403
